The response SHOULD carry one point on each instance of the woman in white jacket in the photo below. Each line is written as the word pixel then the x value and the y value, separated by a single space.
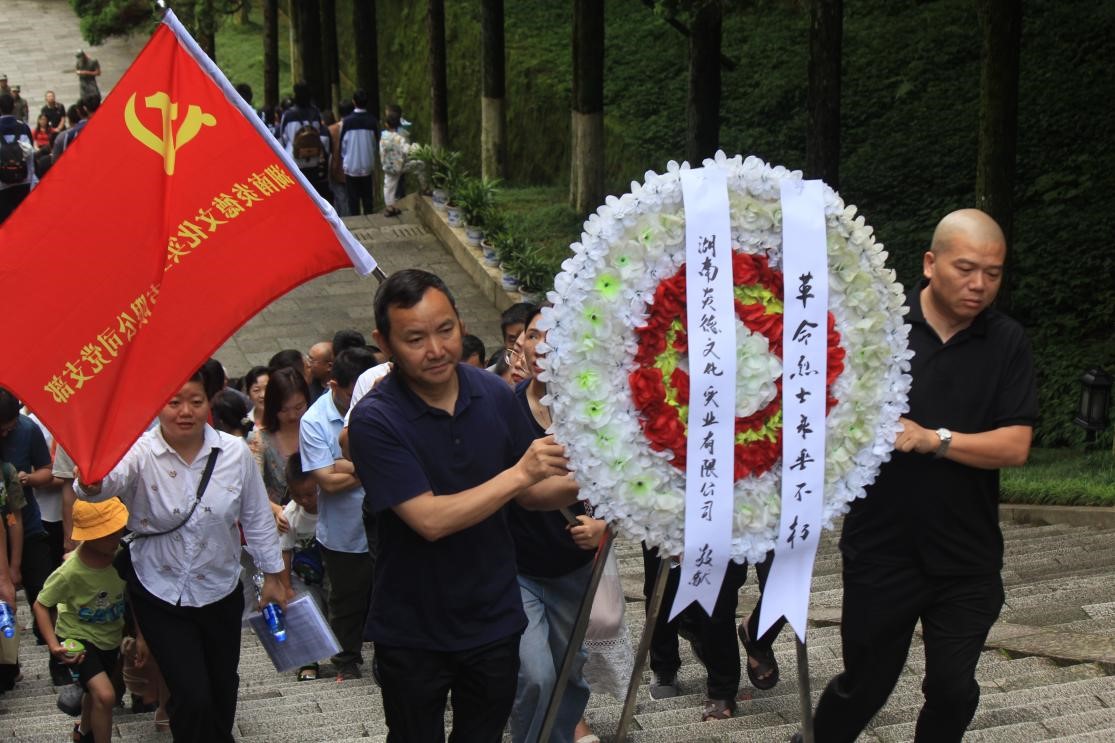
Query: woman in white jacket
pixel 185 589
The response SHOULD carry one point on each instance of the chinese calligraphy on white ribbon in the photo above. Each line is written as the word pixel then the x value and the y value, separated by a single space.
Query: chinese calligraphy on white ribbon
pixel 805 350
pixel 710 316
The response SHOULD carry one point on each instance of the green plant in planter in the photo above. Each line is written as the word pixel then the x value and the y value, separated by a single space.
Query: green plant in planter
pixel 420 162
pixel 508 247
pixel 534 270
pixel 493 220
pixel 445 168
pixel 476 197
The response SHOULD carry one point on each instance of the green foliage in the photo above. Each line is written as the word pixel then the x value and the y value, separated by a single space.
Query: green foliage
pixel 240 54
pixel 477 198
pixel 909 133
pixel 445 168
pixel 101 19
pixel 1062 477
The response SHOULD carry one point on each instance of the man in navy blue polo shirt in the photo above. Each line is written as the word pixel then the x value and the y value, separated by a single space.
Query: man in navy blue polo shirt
pixel 441 448
pixel 925 542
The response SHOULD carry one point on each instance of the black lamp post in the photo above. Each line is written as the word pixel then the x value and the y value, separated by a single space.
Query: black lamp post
pixel 1095 395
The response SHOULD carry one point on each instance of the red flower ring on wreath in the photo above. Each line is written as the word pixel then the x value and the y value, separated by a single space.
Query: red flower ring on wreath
pixel 664 340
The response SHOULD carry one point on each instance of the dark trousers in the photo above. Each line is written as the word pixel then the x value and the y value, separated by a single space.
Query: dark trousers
pixel 360 193
pixel 12 197
pixel 349 580
pixel 881 607
pixel 55 542
pixel 762 570
pixel 36 568
pixel 198 652
pixel 713 638
pixel 416 683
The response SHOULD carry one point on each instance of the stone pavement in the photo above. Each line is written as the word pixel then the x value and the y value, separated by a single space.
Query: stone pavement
pixel 40 40
pixel 317 309
pixel 1060 581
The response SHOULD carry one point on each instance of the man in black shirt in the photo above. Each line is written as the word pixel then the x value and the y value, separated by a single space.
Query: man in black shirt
pixel 925 542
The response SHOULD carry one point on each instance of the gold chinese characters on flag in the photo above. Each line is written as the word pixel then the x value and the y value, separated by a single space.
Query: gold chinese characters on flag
pixel 169 222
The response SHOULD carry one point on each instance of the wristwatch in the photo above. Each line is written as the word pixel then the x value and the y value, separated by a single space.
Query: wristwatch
pixel 945 436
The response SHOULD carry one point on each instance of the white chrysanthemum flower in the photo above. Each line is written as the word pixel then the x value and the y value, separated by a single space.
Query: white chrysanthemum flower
pixel 602 295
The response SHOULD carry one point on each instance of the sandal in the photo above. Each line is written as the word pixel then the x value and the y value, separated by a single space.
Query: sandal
pixel 162 724
pixel 391 212
pixel 763 676
pixel 308 672
pixel 718 709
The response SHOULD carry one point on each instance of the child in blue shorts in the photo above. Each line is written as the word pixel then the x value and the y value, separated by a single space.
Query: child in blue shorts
pixel 89 596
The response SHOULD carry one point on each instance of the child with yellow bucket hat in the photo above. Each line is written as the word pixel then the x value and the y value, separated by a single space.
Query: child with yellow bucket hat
pixel 89 596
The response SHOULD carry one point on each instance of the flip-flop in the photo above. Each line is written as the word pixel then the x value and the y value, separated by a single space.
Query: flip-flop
pixel 718 709
pixel 308 672
pixel 765 675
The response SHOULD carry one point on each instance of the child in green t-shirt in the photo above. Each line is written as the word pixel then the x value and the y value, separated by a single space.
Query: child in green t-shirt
pixel 89 595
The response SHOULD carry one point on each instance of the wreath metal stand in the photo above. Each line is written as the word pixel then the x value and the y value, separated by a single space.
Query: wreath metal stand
pixel 577 638
pixel 654 605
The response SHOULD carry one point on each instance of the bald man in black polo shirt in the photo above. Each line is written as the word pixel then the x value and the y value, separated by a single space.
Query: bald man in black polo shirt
pixel 925 542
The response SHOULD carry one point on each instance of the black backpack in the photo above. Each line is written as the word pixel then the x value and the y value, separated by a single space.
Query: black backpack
pixel 13 156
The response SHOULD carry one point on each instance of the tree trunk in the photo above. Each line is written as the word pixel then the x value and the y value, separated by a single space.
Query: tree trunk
pixel 244 17
pixel 1001 26
pixel 367 53
pixel 295 30
pixel 309 15
pixel 184 9
pixel 586 173
pixel 703 104
pixel 822 146
pixel 493 117
pixel 439 95
pixel 270 55
pixel 205 28
pixel 330 61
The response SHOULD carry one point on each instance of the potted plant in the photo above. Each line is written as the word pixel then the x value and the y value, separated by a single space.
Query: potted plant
pixel 444 170
pixel 476 198
pixel 495 225
pixel 508 249
pixel 420 162
pixel 535 273
pixel 456 183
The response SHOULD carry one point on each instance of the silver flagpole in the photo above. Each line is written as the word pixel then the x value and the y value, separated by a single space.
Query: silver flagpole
pixel 577 638
pixel 653 607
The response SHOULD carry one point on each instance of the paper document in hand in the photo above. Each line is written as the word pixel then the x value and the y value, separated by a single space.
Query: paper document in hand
pixel 308 636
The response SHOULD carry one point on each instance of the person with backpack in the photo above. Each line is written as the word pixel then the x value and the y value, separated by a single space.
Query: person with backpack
pixel 306 141
pixel 83 112
pixel 17 161
pixel 359 141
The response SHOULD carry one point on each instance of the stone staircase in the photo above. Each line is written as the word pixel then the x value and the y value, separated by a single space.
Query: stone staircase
pixel 1047 674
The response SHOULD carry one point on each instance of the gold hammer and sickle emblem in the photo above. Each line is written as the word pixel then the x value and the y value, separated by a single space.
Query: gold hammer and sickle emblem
pixel 170 142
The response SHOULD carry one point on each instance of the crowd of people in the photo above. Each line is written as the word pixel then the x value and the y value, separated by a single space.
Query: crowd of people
pixel 336 154
pixel 411 486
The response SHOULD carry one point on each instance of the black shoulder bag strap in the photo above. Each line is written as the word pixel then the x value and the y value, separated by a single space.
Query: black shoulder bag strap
pixel 209 465
pixel 123 560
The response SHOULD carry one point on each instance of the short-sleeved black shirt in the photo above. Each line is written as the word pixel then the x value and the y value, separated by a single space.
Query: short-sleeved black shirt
pixel 459 592
pixel 938 513
pixel 543 547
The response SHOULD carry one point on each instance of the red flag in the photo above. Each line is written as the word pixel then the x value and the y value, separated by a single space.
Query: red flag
pixel 169 222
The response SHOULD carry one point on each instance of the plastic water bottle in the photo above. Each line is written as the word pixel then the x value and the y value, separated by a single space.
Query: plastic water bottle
pixel 272 612
pixel 7 619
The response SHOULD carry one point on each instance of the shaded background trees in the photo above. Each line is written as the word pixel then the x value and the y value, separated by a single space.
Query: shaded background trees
pixel 915 136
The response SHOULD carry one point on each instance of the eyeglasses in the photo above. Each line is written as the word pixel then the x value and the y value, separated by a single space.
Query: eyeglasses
pixel 511 355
